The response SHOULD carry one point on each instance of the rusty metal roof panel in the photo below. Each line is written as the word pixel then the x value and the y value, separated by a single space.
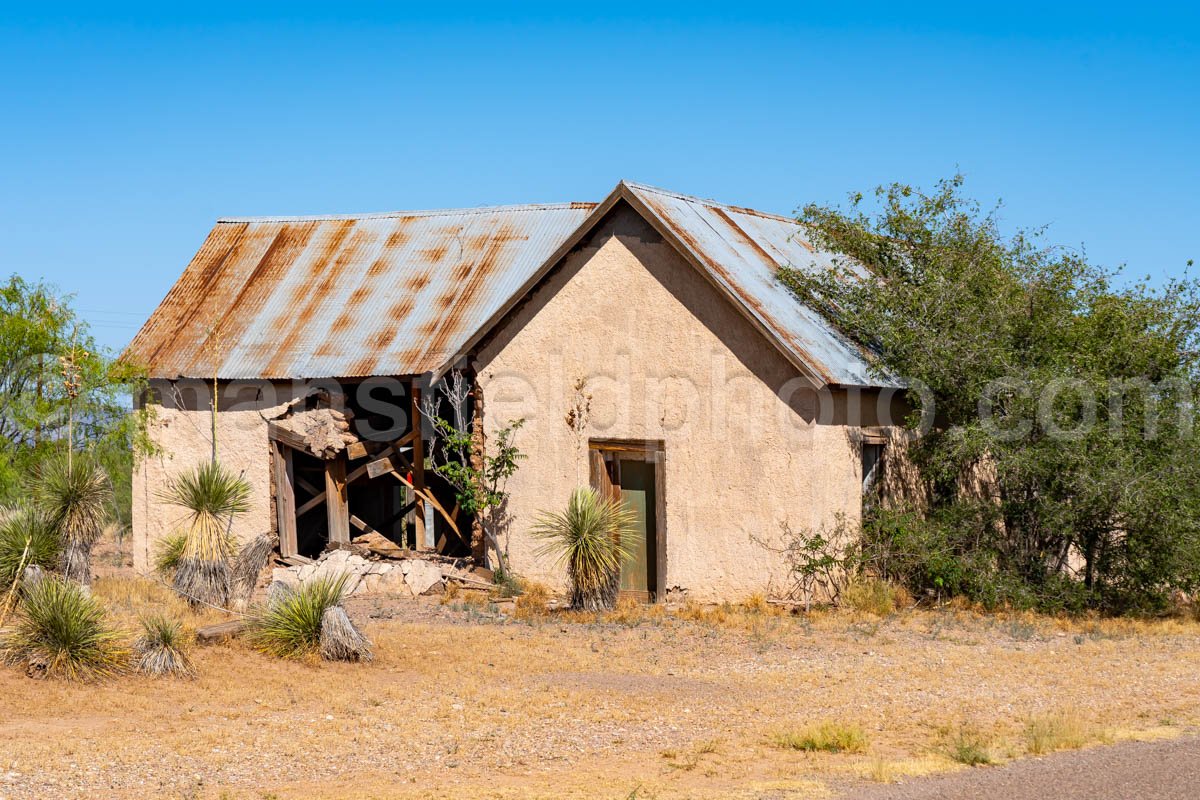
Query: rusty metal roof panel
pixel 742 250
pixel 347 296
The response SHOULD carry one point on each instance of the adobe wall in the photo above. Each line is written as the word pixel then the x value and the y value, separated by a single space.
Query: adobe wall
pixel 627 340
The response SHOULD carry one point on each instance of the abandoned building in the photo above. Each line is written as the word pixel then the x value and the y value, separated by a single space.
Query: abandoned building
pixel 645 341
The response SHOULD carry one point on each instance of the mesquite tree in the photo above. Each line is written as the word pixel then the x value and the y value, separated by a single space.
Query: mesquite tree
pixel 1069 390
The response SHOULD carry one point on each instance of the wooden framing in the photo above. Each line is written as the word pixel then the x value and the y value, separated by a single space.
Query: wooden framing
pixel 337 509
pixel 285 498
pixel 406 455
pixel 418 463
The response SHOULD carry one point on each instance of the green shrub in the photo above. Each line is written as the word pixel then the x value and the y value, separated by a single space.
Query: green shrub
pixel 62 631
pixel 828 737
pixel 970 748
pixel 27 537
pixel 289 625
pixel 589 537
pixel 162 648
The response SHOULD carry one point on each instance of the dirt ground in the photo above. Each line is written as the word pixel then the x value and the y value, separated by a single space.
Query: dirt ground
pixel 645 703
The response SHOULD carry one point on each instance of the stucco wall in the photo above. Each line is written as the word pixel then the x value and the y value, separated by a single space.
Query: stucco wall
pixel 629 328
pixel 182 430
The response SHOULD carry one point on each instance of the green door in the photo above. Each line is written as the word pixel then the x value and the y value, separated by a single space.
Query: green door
pixel 637 492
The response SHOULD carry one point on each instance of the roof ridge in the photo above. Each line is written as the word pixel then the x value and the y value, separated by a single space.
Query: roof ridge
pixel 707 201
pixel 436 212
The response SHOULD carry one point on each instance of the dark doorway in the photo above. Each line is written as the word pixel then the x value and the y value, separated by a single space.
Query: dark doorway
pixel 633 472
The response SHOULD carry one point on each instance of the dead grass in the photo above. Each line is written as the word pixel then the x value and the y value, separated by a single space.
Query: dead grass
pixel 824 737
pixel 1062 730
pixel 644 701
pixel 874 596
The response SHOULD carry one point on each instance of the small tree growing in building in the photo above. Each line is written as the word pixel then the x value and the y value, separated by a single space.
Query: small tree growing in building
pixel 478 473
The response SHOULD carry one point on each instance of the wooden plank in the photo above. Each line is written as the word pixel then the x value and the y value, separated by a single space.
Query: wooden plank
pixel 308 487
pixel 381 467
pixel 660 521
pixel 223 630
pixel 296 560
pixel 310 505
pixel 285 498
pixel 336 508
pixel 418 463
pixel 395 447
pixel 600 478
pixel 362 526
pixel 424 496
pixel 290 438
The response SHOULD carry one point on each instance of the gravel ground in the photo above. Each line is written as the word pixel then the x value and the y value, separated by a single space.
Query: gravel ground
pixel 1143 770
pixel 462 700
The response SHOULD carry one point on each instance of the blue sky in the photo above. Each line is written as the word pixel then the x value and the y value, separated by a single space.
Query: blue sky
pixel 126 130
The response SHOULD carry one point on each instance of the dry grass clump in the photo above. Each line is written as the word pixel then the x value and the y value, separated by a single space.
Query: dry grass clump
pixel 534 602
pixel 161 649
pixel 1063 730
pixel 825 737
pixel 61 632
pixel 875 596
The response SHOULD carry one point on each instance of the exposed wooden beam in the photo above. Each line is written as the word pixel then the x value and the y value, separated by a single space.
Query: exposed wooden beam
pixel 395 447
pixel 418 462
pixel 308 487
pixel 424 496
pixel 310 505
pixel 290 438
pixel 285 499
pixel 336 507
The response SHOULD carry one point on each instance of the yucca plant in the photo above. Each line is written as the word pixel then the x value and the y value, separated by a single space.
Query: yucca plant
pixel 212 496
pixel 76 494
pixel 161 648
pixel 27 538
pixel 251 559
pixel 590 539
pixel 289 625
pixel 168 552
pixel 60 631
pixel 340 640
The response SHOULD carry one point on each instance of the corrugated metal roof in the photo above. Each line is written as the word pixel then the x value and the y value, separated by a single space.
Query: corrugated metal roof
pixel 405 293
pixel 742 250
pixel 347 296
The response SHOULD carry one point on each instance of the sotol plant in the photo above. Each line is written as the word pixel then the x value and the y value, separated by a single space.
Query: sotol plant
pixel 589 537
pixel 161 649
pixel 75 494
pixel 289 625
pixel 212 496
pixel 61 631
pixel 27 538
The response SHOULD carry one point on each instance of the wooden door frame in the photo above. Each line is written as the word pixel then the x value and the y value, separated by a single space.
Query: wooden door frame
pixel 653 451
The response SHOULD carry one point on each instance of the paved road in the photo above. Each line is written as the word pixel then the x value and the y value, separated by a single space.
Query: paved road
pixel 1132 771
